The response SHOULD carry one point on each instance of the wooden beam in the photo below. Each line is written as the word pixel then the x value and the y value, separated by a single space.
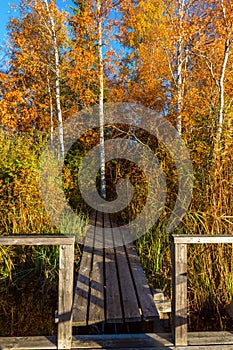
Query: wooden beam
pixel 28 343
pixel 65 296
pixel 179 293
pixel 147 341
pixel 195 239
pixel 126 341
pixel 36 240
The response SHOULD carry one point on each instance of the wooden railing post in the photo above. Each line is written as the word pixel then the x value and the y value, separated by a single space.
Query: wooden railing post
pixel 66 272
pixel 65 296
pixel 179 293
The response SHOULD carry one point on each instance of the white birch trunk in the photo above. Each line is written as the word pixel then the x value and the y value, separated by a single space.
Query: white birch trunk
pixel 51 112
pixel 101 103
pixel 221 89
pixel 180 61
pixel 57 83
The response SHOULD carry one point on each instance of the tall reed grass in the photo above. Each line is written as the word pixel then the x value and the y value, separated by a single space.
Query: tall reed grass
pixel 22 209
pixel 210 274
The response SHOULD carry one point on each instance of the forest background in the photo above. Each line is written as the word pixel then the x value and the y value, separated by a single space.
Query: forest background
pixel 173 56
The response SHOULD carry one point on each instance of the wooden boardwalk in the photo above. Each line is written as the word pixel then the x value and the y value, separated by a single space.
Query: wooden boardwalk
pixel 111 285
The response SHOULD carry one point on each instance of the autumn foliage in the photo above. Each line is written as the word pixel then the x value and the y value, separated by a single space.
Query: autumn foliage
pixel 175 57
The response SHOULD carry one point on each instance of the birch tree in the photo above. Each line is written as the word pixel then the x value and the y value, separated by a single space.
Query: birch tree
pixel 53 34
pixel 180 66
pixel 225 58
pixel 87 57
pixel 214 47
pixel 101 99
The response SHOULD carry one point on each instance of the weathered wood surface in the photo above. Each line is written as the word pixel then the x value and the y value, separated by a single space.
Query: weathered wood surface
pixel 144 294
pixel 81 291
pixel 118 341
pixel 113 299
pixel 196 340
pixel 65 296
pixel 196 239
pixel 28 343
pixel 179 293
pixel 148 341
pixel 179 279
pixel 96 306
pixel 118 290
pixel 36 240
pixel 65 291
pixel 129 298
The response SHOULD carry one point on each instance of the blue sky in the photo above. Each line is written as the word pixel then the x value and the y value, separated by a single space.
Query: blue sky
pixel 5 13
pixel 8 8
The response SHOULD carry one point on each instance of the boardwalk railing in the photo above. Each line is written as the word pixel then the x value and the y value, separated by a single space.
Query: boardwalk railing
pixel 66 270
pixel 179 280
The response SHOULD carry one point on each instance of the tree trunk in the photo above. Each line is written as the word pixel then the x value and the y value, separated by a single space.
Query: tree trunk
pixel 180 61
pixel 57 83
pixel 51 112
pixel 221 89
pixel 101 102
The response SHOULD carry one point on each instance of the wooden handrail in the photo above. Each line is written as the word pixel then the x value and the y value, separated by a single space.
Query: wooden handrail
pixel 36 240
pixel 179 280
pixel 196 239
pixel 66 273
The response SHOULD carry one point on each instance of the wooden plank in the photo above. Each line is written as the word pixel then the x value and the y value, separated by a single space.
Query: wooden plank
pixel 196 340
pixel 179 293
pixel 118 341
pixel 81 296
pixel 195 239
pixel 147 304
pixel 129 298
pixel 65 296
pixel 113 301
pixel 28 343
pixel 99 237
pixel 96 307
pixel 146 300
pixel 36 240
pixel 210 338
pixel 108 234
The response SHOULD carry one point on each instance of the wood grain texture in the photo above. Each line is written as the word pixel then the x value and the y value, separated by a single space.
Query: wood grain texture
pixel 36 240
pixel 96 307
pixel 28 343
pixel 179 293
pixel 113 299
pixel 81 291
pixel 65 296
pixel 110 287
pixel 146 301
pixel 195 239
pixel 118 341
pixel 148 341
pixel 129 297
